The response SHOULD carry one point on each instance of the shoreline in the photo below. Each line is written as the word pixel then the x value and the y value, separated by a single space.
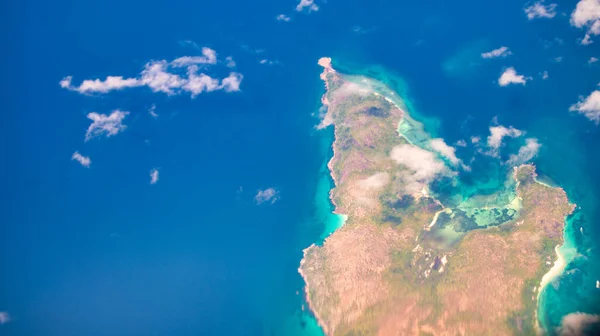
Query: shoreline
pixel 555 271
pixel 309 303
pixel 561 261
pixel 325 62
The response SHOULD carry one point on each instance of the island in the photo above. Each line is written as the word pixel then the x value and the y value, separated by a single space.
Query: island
pixel 419 253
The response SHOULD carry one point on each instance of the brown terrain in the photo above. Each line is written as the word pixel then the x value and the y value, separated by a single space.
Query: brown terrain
pixel 382 273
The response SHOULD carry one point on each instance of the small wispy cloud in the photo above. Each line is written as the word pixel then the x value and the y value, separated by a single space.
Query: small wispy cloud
pixel 229 62
pixel 4 317
pixel 545 75
pixel 497 134
pixel 526 152
pixel 269 195
pixel 154 176
pixel 448 152
pixel 586 40
pixel 266 61
pixel 209 56
pixel 152 111
pixel 362 30
pixel 500 52
pixel 592 60
pixel 252 50
pixel 589 106
pixel 376 181
pixel 83 160
pixel 283 17
pixel 540 10
pixel 587 15
pixel 510 76
pixel 189 43
pixel 310 5
pixel 577 324
pixel 107 125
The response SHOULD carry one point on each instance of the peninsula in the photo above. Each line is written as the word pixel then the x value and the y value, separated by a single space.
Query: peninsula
pixel 417 254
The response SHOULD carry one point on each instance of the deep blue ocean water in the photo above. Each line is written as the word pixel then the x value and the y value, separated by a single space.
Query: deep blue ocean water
pixel 99 251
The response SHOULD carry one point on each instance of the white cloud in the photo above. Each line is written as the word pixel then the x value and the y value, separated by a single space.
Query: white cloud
pixel 197 84
pixel 107 125
pixel 540 10
pixel 461 143
pixel 4 317
pixel 268 195
pixel 153 176
pixel 83 160
pixel 111 83
pixel 592 60
pixel 545 75
pixel 559 41
pixel 497 133
pixel 526 152
pixel 475 140
pixel 157 78
pixel 152 111
pixel 209 56
pixel 283 17
pixel 310 4
pixel 558 59
pixel 555 41
pixel 586 40
pixel 65 83
pixel 361 31
pixel 587 15
pixel 190 43
pixel 252 50
pixel 575 324
pixel 376 181
pixel 166 77
pixel 500 52
pixel 230 63
pixel 266 61
pixel 510 76
pixel 423 167
pixel 232 82
pixel 589 107
pixel 423 163
pixel 440 146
